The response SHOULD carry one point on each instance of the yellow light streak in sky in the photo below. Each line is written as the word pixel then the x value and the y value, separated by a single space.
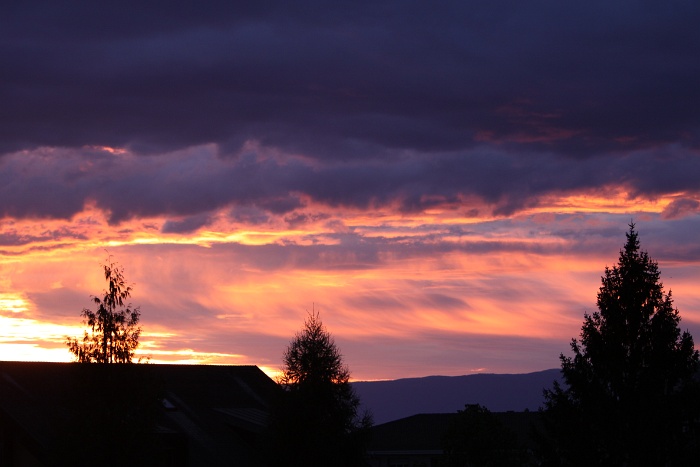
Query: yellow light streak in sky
pixel 13 303
pixel 612 201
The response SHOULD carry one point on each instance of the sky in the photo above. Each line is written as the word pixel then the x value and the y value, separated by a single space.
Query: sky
pixel 443 183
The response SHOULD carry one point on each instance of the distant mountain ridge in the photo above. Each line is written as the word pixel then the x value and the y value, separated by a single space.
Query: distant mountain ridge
pixel 391 400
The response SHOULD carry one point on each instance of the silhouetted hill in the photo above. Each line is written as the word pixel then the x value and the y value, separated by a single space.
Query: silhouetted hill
pixel 391 400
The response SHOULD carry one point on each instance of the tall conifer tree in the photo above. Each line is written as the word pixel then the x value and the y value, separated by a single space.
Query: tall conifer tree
pixel 629 396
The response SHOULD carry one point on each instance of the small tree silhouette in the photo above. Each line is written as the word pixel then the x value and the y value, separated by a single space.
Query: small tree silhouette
pixel 316 420
pixel 114 331
pixel 113 408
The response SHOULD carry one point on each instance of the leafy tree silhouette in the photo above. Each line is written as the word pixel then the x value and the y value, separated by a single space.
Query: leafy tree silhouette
pixel 475 437
pixel 630 396
pixel 316 420
pixel 114 331
pixel 112 409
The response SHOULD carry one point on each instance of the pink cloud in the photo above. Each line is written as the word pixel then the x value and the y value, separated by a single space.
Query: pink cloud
pixel 681 207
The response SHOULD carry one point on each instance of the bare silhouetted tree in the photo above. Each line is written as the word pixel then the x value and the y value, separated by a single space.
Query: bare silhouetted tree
pixel 316 422
pixel 114 331
pixel 629 396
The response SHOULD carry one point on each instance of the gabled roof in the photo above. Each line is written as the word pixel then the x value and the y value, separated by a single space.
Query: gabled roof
pixel 422 432
pixel 425 432
pixel 217 411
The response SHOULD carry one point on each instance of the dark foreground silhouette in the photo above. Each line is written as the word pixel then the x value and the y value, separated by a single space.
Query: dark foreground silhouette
pixel 118 414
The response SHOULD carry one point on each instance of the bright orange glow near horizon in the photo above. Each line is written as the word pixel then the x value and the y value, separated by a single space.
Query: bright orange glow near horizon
pixel 231 294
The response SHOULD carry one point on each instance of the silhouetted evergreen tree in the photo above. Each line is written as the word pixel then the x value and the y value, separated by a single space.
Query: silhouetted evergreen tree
pixel 476 438
pixel 114 331
pixel 630 396
pixel 316 421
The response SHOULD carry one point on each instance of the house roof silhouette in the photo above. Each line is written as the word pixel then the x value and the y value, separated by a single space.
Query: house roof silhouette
pixel 419 439
pixel 185 415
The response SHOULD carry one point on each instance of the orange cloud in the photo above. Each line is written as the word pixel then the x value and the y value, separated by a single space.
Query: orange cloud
pixel 235 293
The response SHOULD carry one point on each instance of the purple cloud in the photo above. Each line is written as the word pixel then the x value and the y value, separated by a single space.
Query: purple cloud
pixel 357 80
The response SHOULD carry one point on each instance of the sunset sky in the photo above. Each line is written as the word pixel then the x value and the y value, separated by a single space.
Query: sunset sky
pixel 445 183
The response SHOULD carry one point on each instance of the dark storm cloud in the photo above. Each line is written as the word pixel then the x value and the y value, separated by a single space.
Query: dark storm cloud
pixel 189 224
pixel 357 79
pixel 188 185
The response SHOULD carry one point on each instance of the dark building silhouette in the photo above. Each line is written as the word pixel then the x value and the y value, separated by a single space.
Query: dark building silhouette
pixel 179 415
pixel 418 440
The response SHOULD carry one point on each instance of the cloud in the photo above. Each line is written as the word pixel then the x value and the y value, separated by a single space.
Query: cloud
pixel 13 237
pixel 454 354
pixel 187 186
pixel 189 224
pixel 680 208
pixel 507 296
pixel 353 80
pixel 263 110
